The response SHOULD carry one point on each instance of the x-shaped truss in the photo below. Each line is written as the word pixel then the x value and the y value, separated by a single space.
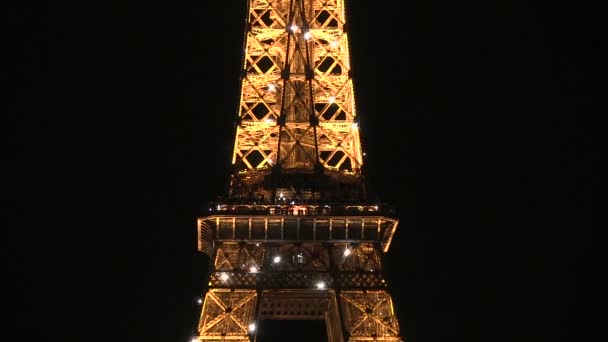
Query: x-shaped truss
pixel 227 314
pixel 297 36
pixel 363 257
pixel 369 315
pixel 234 256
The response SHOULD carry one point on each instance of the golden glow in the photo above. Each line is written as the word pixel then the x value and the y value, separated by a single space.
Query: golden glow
pixel 266 92
pixel 296 86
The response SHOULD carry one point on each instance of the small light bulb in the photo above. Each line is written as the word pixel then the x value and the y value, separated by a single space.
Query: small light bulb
pixel 294 28
pixel 271 87
pixel 307 35
pixel 355 126
pixel 277 259
pixel 252 327
pixel 200 301
pixel 253 269
pixel 332 99
pixel 334 44
pixel 194 339
pixel 347 252
pixel 224 276
pixel 320 285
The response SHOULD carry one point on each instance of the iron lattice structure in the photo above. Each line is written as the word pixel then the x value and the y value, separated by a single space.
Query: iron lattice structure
pixel 295 237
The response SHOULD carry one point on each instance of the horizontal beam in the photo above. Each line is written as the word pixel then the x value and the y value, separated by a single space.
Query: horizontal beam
pixel 284 228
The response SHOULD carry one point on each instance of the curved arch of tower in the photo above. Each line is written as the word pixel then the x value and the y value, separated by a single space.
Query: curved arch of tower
pixel 296 238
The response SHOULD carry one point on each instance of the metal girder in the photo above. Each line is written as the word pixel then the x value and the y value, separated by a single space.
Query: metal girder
pixel 294 239
pixel 297 102
pixel 285 228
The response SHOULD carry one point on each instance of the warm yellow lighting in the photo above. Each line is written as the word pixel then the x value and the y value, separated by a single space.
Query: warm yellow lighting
pixel 332 99
pixel 271 87
pixel 334 44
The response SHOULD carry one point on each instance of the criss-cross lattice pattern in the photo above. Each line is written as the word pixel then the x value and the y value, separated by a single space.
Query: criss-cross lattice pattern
pixel 270 280
pixel 300 257
pixel 227 315
pixel 357 257
pixel 297 103
pixel 369 316
pixel 232 256
pixel 357 280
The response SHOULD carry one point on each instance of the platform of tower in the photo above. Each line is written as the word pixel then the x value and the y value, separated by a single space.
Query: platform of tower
pixel 295 236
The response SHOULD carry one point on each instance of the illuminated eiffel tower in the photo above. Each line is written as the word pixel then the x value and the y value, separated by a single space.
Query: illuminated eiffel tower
pixel 295 237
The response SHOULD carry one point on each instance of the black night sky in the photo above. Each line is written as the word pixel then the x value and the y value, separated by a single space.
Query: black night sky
pixel 479 122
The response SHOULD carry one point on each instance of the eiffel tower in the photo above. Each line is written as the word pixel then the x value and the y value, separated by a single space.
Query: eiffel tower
pixel 295 237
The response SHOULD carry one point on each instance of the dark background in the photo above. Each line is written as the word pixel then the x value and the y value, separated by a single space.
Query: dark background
pixel 480 123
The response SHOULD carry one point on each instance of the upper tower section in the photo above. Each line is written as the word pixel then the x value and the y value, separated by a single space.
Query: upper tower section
pixel 297 136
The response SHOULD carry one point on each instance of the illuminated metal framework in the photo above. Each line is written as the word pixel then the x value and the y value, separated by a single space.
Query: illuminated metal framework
pixel 296 238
